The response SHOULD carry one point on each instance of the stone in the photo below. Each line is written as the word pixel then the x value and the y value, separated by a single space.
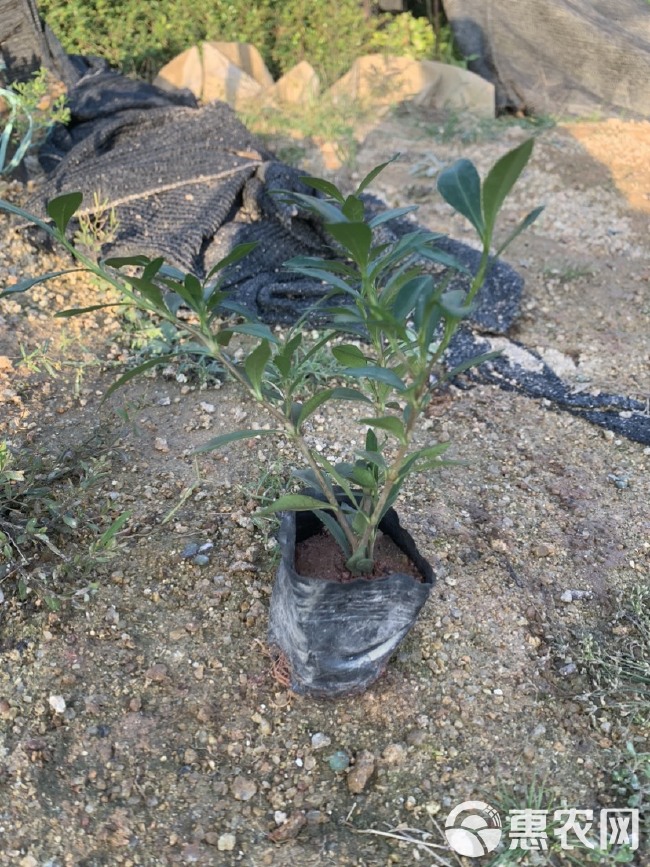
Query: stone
pixel 57 703
pixel 226 842
pixel 298 86
pixel 319 741
pixel 383 80
pixel 394 754
pixel 360 774
pixel 290 829
pixel 243 788
pixel 247 58
pixel 225 81
pixel 183 71
pixel 455 89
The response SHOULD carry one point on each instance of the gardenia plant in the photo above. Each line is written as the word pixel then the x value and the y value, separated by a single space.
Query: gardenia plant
pixel 400 317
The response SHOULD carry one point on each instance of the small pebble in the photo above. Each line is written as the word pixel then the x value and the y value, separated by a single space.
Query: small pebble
pixel 339 761
pixel 243 788
pixel 226 842
pixel 568 669
pixel 319 741
pixel 394 754
pixel 361 773
pixel 57 703
pixel 201 560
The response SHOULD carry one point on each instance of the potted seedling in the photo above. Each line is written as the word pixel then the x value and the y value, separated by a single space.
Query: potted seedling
pixel 389 324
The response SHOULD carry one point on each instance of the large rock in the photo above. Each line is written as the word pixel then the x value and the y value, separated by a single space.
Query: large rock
pixel 210 75
pixel 380 79
pixel 456 89
pixel 383 80
pixel 298 86
pixel 246 57
pixel 223 80
pixel 183 71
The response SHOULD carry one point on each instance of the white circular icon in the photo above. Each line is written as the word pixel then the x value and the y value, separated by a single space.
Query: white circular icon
pixel 473 828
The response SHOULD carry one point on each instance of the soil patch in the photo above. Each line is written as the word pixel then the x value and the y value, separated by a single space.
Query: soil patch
pixel 320 557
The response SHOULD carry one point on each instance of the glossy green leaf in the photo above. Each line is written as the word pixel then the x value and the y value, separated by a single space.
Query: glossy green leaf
pixel 471 362
pixel 123 261
pixel 324 186
pixel 255 329
pixel 407 297
pixel 349 355
pixel 63 208
pixel 238 253
pixel 327 211
pixel 501 179
pixel 29 282
pixel 325 276
pixel 255 365
pixel 460 186
pixel 379 374
pixel 315 401
pixel 294 503
pixel 369 178
pixel 391 214
pixel 77 311
pixel 354 210
pixel 224 439
pixel 136 371
pixel 284 357
pixel 528 220
pixel 335 530
pixel 390 424
pixel 372 457
pixel 356 238
pixel 363 477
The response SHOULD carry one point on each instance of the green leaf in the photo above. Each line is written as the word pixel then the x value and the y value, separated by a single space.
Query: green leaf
pixel 453 303
pixel 390 424
pixel 391 214
pixel 224 439
pixel 77 311
pixel 528 220
pixel 372 457
pixel 446 259
pixel 194 289
pixel 460 186
pixel 501 179
pixel 316 400
pixel 122 261
pixel 63 208
pixel 407 297
pixel 324 186
pixel 28 283
pixel 349 355
pixel 25 215
pixel 356 238
pixel 335 530
pixel 232 258
pixel 354 209
pixel 130 374
pixel 471 362
pixel 372 444
pixel 379 374
pixel 363 477
pixel 107 537
pixel 328 212
pixel 369 178
pixel 255 329
pixel 283 358
pixel 321 274
pixel 294 503
pixel 255 365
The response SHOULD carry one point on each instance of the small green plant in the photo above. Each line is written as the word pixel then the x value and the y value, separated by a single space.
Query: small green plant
pixel 29 115
pixel 381 295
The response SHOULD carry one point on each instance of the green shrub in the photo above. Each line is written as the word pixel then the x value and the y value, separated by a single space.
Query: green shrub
pixel 139 38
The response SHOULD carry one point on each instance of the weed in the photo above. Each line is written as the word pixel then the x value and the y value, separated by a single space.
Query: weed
pixel 97 227
pixel 31 111
pixel 617 663
pixel 43 510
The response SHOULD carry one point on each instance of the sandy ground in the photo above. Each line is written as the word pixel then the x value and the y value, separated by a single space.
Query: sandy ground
pixel 141 722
